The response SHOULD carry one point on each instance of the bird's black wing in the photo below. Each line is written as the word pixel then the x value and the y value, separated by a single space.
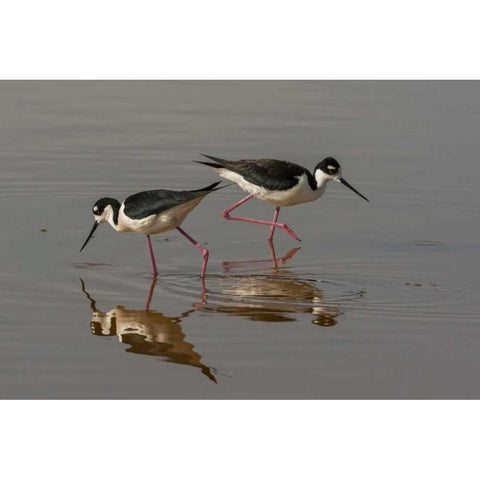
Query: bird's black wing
pixel 265 172
pixel 153 202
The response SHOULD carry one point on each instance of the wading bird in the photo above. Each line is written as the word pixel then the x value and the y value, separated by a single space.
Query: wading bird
pixel 277 182
pixel 151 212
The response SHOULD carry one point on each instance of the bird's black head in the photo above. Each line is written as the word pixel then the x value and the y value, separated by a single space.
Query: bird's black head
pixel 329 169
pixel 101 204
pixel 329 166
pixel 105 210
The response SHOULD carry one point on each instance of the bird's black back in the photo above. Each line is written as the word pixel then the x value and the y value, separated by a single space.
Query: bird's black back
pixel 265 172
pixel 153 202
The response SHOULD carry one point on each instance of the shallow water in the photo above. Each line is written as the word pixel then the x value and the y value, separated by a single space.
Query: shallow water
pixel 380 299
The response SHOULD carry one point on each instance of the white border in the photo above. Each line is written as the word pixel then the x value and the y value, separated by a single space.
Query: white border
pixel 239 439
pixel 241 40
pixel 252 39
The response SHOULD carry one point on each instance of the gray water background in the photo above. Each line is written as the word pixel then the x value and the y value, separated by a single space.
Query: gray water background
pixel 381 301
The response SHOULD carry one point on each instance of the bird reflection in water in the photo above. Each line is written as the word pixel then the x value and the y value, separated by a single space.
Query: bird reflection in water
pixel 148 332
pixel 274 296
pixel 274 259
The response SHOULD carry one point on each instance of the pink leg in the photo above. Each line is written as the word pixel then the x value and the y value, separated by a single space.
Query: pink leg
pixel 272 228
pixel 152 256
pixel 283 226
pixel 200 247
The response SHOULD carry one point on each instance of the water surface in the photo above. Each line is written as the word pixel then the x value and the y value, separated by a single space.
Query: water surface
pixel 380 299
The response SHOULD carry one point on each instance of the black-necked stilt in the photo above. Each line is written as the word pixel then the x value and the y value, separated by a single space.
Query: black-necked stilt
pixel 277 182
pixel 151 212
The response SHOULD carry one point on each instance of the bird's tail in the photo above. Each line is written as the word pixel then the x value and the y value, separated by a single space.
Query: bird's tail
pixel 219 162
pixel 211 188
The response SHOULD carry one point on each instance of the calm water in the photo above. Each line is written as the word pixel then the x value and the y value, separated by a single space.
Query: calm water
pixel 381 300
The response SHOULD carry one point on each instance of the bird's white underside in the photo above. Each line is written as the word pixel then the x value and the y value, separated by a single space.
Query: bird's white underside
pixel 154 224
pixel 300 193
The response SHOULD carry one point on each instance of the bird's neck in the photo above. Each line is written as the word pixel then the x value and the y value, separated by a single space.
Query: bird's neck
pixel 321 179
pixel 112 213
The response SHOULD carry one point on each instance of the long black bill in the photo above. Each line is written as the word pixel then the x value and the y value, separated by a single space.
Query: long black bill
pixel 342 180
pixel 95 225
